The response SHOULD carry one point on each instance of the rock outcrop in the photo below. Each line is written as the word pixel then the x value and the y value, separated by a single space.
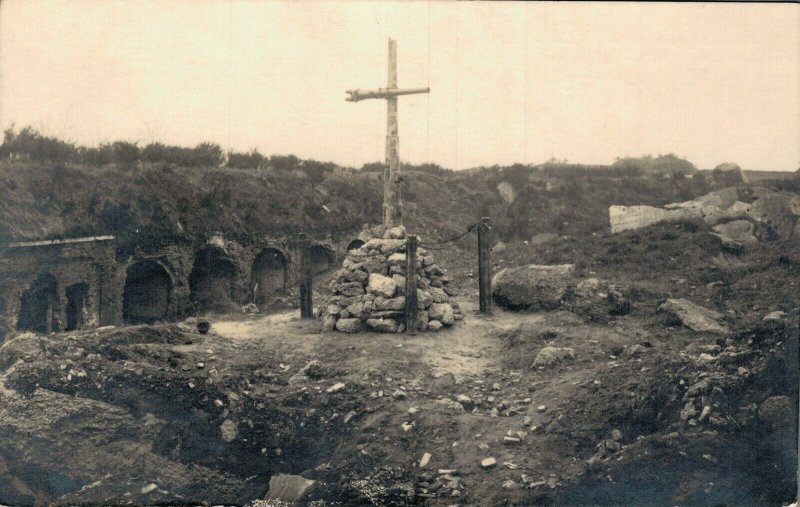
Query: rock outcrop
pixel 369 290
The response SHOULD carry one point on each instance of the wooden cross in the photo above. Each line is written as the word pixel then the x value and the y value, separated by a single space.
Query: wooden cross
pixel 391 174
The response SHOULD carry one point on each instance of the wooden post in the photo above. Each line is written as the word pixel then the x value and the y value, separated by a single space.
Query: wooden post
pixel 484 267
pixel 306 304
pixel 412 306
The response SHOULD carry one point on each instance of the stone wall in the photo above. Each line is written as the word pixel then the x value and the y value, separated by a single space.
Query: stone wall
pixel 369 290
pixel 107 272
pixel 70 264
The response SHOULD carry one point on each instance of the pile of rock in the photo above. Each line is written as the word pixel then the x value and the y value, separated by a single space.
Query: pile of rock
pixel 369 290
pixel 736 214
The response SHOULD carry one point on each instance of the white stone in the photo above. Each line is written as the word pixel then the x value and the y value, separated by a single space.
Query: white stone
pixel 381 285
pixel 625 218
pixel 442 312
pixel 549 356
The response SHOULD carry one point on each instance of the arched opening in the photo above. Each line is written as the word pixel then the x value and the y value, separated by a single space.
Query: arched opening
pixel 355 245
pixel 211 280
pixel 37 310
pixel 77 297
pixel 322 259
pixel 145 297
pixel 268 276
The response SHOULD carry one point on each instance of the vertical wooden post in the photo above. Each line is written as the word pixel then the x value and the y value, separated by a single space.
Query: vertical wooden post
pixel 484 267
pixel 306 304
pixel 412 306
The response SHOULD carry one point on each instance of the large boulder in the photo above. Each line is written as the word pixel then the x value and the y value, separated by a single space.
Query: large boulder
pixel 710 203
pixel 777 211
pixel 533 287
pixel 506 191
pixel 737 211
pixel 728 173
pixel 740 231
pixel 289 489
pixel 695 317
pixel 625 218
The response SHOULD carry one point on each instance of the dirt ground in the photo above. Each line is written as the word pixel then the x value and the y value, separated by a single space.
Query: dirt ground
pixel 164 415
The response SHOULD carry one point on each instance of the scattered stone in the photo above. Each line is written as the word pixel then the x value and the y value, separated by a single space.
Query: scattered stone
pixel 335 387
pixel 774 316
pixel 541 408
pixel 488 462
pixel 549 356
pixel 449 405
pixel 289 488
pixel 228 430
pixel 695 317
pixel 425 459
pixel 149 488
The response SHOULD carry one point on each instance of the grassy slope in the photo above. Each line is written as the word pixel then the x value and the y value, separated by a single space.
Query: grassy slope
pixel 47 201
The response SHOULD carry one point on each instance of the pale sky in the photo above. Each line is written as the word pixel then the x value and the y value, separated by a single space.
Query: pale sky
pixel 510 82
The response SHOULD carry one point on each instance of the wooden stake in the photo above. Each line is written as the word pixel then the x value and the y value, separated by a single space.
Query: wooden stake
pixel 484 267
pixel 412 306
pixel 305 276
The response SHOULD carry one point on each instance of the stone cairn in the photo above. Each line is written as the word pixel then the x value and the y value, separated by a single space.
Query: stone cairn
pixel 369 290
